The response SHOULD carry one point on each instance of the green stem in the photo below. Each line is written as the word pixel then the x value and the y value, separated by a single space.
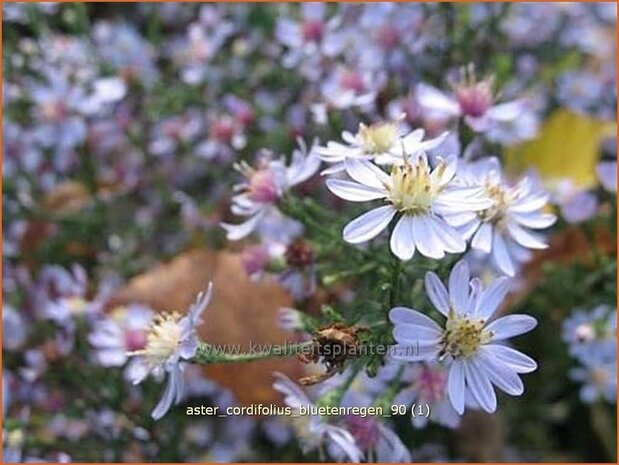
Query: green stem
pixel 208 353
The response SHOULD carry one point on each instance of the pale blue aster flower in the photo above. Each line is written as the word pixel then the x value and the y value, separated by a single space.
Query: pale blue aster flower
pixel 419 195
pixel 591 335
pixel 471 343
pixel 599 382
pixel 171 340
pixel 313 431
pixel 263 188
pixel 428 385
pixel 505 229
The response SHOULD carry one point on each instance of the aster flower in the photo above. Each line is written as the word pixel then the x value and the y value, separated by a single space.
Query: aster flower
pixel 607 174
pixel 122 46
pixel 383 142
pixel 194 54
pixel 264 186
pixel 428 385
pixel 309 39
pixel 504 228
pixel 474 101
pixel 123 331
pixel 377 440
pixel 577 205
pixel 471 342
pixel 592 335
pixel 419 195
pixel 171 340
pixel 314 431
pixel 226 134
pixel 58 111
pixel 60 294
pixel 599 381
pixel 346 88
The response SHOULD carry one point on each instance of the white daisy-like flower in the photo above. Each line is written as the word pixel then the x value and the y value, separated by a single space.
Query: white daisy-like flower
pixel 474 101
pixel 504 228
pixel 470 343
pixel 313 431
pixel 172 339
pixel 264 186
pixel 419 195
pixel 122 331
pixel 385 143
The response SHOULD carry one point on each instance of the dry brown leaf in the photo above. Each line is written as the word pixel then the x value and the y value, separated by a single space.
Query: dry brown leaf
pixel 240 311
pixel 67 197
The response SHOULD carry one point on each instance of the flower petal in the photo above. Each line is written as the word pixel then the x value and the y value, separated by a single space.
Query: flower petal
pixel 482 240
pixel 437 293
pixel 354 191
pixel 414 352
pixel 518 361
pixel 480 386
pixel 236 232
pixel 402 241
pixel 366 173
pixel 455 386
pixel 459 285
pixel 413 334
pixel 501 255
pixel 170 395
pixel 403 315
pixel 435 101
pixel 500 374
pixel 524 237
pixel 369 225
pixel 452 240
pixel 535 220
pixel 492 297
pixel 428 244
pixel 511 325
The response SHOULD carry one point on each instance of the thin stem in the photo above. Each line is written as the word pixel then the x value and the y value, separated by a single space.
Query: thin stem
pixel 208 353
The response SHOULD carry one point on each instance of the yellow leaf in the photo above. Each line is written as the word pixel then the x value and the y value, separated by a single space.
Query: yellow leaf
pixel 567 147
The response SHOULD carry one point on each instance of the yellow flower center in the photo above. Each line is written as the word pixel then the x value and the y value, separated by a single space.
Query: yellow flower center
pixel 463 336
pixel 76 305
pixel 599 376
pixel 163 339
pixel 501 198
pixel 378 138
pixel 413 186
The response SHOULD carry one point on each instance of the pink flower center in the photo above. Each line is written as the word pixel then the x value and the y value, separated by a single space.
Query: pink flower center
pixel 254 259
pixel 430 384
pixel 222 130
pixel 474 99
pixel 135 339
pixel 262 187
pixel 312 30
pixel 364 430
pixel 352 81
pixel 55 111
pixel 388 37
